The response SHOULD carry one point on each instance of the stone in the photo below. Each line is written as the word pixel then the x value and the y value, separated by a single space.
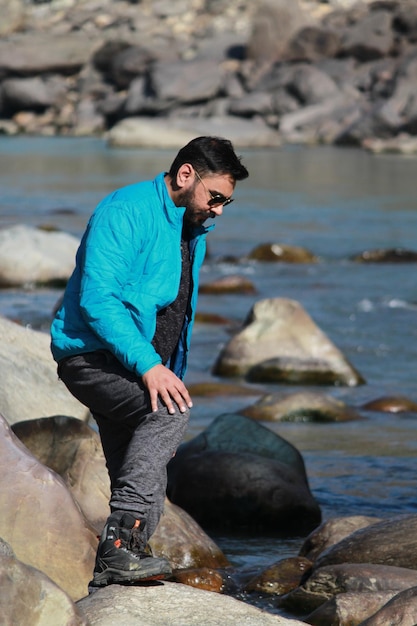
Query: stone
pixel 238 475
pixel 29 385
pixel 40 519
pixel 304 406
pixel 31 255
pixel 29 597
pixel 280 334
pixel 172 603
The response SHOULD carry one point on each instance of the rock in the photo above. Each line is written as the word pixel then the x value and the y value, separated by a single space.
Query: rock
pixel 313 43
pixel 239 475
pixel 390 255
pixel 282 252
pixel 29 597
pixel 173 133
pixel 189 82
pixel 370 38
pixel 389 542
pixel 228 284
pixel 203 578
pixel 40 519
pixel 391 404
pixel 331 532
pixel 282 341
pixel 274 24
pixel 214 389
pixel 29 385
pixel 401 609
pixel 30 255
pixel 182 541
pixel 333 580
pixel 171 603
pixel 73 450
pixel 281 577
pixel 401 144
pixel 349 608
pixel 305 406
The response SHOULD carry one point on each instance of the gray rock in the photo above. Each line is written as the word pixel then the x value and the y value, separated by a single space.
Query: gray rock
pixel 238 475
pixel 172 603
pixel 401 609
pixel 29 386
pixel 279 330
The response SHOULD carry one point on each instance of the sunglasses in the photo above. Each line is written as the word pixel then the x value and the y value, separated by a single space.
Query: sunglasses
pixel 216 199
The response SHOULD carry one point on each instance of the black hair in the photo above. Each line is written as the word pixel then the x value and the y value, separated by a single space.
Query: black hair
pixel 210 155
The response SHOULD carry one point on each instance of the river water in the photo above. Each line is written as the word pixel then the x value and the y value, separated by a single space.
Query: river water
pixel 335 202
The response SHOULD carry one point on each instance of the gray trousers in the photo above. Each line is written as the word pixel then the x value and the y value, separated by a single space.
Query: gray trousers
pixel 137 442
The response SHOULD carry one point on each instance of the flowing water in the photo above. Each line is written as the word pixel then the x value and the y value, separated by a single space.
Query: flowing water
pixel 334 202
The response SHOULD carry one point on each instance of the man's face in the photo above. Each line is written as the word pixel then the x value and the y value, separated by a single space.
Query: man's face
pixel 205 198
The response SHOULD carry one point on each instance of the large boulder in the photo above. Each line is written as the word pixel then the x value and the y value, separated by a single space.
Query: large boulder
pixel 281 343
pixel 29 385
pixel 40 519
pixel 31 255
pixel 238 475
pixel 28 596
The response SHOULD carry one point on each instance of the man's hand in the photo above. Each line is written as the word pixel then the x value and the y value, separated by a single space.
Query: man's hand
pixel 161 381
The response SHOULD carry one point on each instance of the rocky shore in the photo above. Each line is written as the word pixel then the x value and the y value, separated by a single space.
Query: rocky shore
pixel 265 72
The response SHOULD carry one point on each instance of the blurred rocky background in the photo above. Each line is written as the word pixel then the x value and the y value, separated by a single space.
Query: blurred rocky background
pixel 263 72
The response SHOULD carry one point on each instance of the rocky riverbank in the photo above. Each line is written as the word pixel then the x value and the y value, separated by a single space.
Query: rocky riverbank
pixel 263 72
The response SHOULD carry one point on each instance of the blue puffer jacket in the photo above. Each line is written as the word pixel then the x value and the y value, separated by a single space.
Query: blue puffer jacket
pixel 128 267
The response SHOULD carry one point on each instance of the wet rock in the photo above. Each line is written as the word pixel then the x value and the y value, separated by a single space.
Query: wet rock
pixel 48 256
pixel 238 474
pixel 349 608
pixel 391 404
pixel 29 597
pixel 281 343
pixel 305 406
pixel 29 386
pixel 282 252
pixel 281 577
pixel 401 144
pixel 332 580
pixel 390 255
pixel 40 519
pixel 331 532
pixel 213 389
pixel 203 578
pixel 390 542
pixel 401 609
pixel 228 284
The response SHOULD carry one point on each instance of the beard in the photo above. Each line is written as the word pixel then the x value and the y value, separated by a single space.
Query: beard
pixel 193 215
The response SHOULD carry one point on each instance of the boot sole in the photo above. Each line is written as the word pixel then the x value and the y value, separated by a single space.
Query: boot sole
pixel 109 576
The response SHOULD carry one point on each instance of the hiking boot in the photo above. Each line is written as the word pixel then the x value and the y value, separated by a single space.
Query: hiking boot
pixel 122 555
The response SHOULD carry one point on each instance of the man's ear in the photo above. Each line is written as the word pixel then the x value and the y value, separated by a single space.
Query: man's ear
pixel 185 175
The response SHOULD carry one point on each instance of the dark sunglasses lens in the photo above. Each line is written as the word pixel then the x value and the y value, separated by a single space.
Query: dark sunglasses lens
pixel 218 200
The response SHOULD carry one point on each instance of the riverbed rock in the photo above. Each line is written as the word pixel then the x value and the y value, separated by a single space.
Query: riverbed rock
pixel 331 531
pixel 29 385
pixel 391 404
pixel 401 609
pixel 40 519
pixel 29 597
pixel 350 608
pixel 31 255
pixel 388 255
pixel 281 343
pixel 238 475
pixel 304 406
pixel 332 580
pixel 389 542
pixel 282 252
pixel 280 577
pixel 228 284
pixel 172 603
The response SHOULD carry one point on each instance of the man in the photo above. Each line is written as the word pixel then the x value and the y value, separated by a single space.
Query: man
pixel 122 335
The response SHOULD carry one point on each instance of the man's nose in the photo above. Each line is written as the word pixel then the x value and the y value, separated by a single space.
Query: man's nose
pixel 217 210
